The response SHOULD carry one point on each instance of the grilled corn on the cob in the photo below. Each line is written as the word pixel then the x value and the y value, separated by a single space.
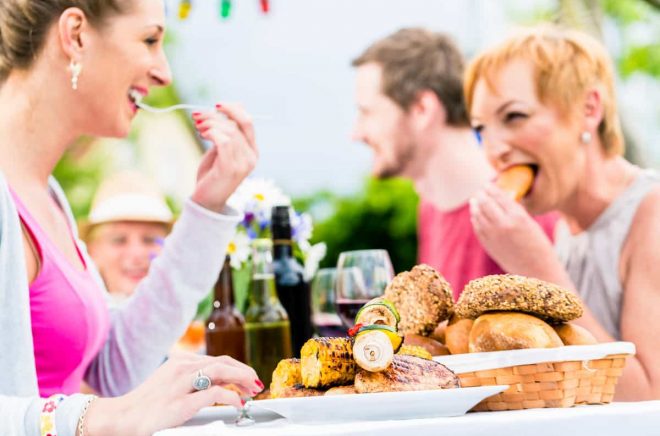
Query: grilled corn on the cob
pixel 286 375
pixel 327 362
pixel 414 350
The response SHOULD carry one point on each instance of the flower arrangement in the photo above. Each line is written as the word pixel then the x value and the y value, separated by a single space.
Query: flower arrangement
pixel 255 198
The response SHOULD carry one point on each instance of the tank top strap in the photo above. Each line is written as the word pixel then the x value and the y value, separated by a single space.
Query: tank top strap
pixel 45 247
pixel 625 206
pixel 30 224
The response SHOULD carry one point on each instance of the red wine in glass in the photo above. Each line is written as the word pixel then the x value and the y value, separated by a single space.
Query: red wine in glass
pixel 348 309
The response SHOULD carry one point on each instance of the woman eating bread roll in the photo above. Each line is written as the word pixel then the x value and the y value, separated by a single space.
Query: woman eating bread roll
pixel 544 99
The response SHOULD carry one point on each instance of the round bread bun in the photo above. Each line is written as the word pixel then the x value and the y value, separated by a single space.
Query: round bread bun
pixel 572 334
pixel 508 292
pixel 422 297
pixel 457 334
pixel 439 333
pixel 501 331
pixel 431 345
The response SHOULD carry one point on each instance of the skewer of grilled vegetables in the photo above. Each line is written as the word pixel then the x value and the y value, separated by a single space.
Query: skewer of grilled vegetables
pixel 378 311
pixel 374 346
pixel 327 362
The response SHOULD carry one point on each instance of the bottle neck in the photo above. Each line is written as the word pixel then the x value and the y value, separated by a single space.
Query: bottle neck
pixel 262 290
pixel 282 248
pixel 262 286
pixel 224 288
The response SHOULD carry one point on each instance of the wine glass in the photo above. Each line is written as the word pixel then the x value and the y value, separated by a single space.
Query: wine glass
pixel 361 276
pixel 324 311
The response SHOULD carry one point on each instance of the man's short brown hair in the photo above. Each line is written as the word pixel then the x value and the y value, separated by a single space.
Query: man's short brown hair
pixel 414 60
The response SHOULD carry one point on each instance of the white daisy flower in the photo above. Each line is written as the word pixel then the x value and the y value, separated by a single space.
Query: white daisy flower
pixel 239 250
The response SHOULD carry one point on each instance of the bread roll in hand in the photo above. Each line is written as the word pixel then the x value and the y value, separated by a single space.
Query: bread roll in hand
pixel 517 180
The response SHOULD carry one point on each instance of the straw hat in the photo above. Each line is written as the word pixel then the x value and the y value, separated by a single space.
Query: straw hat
pixel 127 196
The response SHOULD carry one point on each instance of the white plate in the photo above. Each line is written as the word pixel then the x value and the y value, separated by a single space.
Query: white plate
pixel 379 406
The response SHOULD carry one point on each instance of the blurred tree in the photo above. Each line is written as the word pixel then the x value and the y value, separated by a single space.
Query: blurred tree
pixel 383 216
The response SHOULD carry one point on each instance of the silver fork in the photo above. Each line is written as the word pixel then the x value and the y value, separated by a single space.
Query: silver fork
pixel 244 418
pixel 137 98
pixel 163 110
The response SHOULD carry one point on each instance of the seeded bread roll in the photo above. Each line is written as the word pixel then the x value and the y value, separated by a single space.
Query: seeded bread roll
pixel 501 331
pixel 572 334
pixel 422 297
pixel 510 292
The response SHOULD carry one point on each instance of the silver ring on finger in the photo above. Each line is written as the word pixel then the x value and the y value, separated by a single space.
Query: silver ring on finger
pixel 201 381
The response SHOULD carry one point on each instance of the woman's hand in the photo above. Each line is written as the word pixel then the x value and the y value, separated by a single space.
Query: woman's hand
pixel 512 237
pixel 231 158
pixel 168 399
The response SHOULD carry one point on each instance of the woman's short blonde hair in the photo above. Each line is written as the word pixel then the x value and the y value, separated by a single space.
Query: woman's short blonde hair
pixel 567 63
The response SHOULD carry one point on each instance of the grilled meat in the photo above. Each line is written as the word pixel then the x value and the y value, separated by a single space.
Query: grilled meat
pixel 407 373
pixel 297 390
pixel 341 390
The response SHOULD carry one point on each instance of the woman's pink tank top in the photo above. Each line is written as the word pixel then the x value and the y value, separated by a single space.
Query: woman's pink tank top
pixel 70 319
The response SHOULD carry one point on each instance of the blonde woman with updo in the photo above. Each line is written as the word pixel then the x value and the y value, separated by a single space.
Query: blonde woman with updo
pixel 545 98
pixel 67 68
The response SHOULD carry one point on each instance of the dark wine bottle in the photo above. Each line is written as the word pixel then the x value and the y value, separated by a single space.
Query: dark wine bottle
pixel 292 289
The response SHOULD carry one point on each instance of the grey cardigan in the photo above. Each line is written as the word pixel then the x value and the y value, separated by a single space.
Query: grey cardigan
pixel 142 330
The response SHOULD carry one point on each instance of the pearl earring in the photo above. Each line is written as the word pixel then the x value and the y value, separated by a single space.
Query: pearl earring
pixel 75 68
pixel 585 137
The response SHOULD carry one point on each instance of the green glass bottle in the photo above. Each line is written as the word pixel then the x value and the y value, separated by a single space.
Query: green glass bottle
pixel 267 327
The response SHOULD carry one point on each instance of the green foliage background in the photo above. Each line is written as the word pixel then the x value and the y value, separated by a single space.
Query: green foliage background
pixel 383 215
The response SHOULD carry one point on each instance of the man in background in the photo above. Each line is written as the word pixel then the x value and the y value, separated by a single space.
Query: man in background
pixel 412 114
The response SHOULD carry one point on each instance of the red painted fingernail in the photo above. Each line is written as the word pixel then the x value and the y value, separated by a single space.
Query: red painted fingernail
pixel 198 121
pixel 258 383
pixel 196 114
pixel 242 402
pixel 218 105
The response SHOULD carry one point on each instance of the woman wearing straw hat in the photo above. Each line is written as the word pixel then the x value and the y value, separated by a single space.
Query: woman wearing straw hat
pixel 70 68
pixel 125 230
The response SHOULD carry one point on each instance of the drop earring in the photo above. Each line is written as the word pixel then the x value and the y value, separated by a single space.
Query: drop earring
pixel 75 68
pixel 585 137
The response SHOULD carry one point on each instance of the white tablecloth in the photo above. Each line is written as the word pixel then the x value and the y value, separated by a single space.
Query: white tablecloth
pixel 620 419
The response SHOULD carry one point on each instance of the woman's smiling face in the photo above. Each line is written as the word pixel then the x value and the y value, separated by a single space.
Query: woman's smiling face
pixel 517 128
pixel 124 54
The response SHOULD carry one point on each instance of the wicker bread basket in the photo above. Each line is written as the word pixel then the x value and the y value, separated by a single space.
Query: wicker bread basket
pixel 554 377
